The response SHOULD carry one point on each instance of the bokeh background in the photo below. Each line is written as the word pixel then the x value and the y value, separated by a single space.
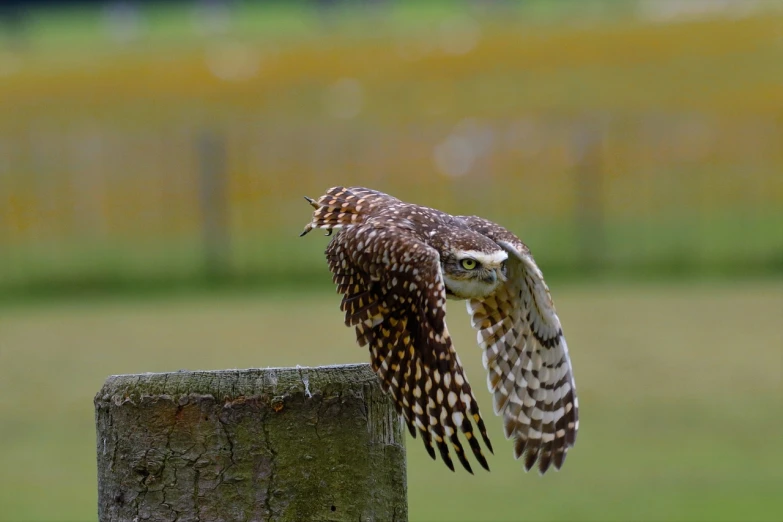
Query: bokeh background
pixel 153 159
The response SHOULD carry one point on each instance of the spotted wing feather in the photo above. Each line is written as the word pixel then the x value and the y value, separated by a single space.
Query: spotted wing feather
pixel 394 296
pixel 342 206
pixel 526 357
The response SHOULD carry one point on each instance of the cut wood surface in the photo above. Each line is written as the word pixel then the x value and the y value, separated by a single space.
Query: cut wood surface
pixel 249 445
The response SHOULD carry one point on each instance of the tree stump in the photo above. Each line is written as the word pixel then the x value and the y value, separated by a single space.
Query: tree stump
pixel 272 444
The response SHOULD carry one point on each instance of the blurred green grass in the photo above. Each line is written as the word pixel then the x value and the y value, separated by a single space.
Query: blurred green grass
pixel 725 245
pixel 680 392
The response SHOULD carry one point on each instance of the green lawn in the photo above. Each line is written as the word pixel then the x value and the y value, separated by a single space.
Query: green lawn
pixel 679 387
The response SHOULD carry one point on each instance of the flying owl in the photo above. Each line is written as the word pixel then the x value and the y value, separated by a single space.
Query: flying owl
pixel 396 264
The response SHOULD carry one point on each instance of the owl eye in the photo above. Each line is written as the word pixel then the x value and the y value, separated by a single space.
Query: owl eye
pixel 469 264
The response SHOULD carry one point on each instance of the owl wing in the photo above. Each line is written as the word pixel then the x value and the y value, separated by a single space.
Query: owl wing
pixel 526 357
pixel 394 295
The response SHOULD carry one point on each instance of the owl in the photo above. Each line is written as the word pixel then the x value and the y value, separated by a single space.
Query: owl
pixel 396 264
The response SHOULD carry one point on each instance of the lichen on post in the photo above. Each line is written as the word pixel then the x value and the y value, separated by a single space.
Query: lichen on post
pixel 271 444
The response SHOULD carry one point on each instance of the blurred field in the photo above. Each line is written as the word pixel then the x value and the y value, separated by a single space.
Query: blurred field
pixel 168 148
pixel 618 142
pixel 680 389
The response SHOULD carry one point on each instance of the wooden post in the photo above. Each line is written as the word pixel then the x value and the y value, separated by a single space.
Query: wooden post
pixel 588 142
pixel 276 444
pixel 213 200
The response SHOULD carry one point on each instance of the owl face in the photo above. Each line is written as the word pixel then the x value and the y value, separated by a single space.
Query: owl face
pixel 473 274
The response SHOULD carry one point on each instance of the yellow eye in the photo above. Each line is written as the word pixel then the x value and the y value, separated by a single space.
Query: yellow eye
pixel 469 264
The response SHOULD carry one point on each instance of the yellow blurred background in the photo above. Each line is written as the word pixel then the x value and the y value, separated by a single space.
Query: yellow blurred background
pixel 616 142
pixel 153 160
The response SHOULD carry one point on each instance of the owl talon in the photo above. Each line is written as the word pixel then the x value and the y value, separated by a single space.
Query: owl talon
pixel 311 201
pixel 307 229
pixel 328 232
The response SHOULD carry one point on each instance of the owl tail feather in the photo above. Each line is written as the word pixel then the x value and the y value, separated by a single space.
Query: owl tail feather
pixel 340 206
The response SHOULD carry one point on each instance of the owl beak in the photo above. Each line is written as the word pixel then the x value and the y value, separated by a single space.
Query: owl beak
pixel 500 274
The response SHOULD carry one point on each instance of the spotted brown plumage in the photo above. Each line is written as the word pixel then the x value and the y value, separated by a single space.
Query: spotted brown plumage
pixel 395 264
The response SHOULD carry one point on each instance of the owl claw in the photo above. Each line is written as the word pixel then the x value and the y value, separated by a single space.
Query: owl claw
pixel 307 229
pixel 311 201
pixel 328 232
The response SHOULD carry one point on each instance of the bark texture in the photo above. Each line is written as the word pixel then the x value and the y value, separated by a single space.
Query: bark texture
pixel 276 444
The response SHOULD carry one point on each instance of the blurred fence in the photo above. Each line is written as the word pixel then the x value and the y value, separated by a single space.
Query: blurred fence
pixel 103 181
pixel 662 190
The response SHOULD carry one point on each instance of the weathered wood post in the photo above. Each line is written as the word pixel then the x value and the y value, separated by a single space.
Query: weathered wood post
pixel 272 444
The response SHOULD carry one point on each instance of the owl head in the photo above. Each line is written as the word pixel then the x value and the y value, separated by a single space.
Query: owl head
pixel 473 267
